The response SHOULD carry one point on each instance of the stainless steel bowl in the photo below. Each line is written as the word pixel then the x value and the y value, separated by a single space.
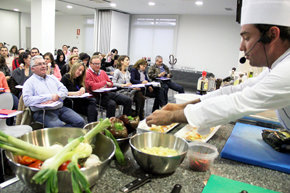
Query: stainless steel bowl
pixel 153 163
pixel 123 142
pixel 102 146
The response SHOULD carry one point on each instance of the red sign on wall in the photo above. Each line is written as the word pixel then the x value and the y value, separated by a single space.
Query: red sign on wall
pixel 78 32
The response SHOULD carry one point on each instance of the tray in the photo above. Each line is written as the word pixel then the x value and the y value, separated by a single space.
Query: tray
pixel 143 127
pixel 187 131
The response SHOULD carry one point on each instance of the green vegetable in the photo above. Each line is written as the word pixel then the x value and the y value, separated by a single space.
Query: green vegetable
pixel 20 147
pixel 131 118
pixel 119 126
pixel 118 153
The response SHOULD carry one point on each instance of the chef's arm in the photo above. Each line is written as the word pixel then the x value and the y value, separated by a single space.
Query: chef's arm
pixel 174 107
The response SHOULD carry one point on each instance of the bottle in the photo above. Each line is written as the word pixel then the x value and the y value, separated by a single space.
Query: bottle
pixel 202 84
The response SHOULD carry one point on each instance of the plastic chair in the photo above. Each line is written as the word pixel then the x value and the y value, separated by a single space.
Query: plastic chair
pixel 6 102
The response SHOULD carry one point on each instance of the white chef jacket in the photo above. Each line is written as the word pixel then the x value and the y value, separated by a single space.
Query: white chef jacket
pixel 269 90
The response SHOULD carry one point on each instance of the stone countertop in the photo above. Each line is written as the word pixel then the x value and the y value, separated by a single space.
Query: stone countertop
pixel 116 177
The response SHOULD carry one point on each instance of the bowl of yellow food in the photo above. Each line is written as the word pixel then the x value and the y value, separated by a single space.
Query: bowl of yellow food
pixel 158 153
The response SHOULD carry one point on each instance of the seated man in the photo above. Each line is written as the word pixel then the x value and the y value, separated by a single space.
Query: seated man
pixel 96 79
pixel 41 88
pixel 159 71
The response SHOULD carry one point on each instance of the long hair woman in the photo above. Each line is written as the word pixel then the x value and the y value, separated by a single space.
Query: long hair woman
pixel 74 81
pixel 122 79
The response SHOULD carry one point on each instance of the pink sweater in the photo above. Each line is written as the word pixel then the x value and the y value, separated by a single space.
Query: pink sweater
pixel 94 81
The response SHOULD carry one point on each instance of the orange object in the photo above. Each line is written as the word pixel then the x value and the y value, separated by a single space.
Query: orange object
pixel 37 164
pixel 26 160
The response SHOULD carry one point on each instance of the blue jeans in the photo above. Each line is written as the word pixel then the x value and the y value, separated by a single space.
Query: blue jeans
pixel 62 117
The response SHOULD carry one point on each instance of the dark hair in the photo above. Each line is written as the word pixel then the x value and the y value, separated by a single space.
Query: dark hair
pixel 114 50
pixel 2 61
pixel 34 48
pixel 22 56
pixel 50 57
pixel 284 30
pixel 73 48
pixel 16 52
pixel 20 49
pixel 57 61
pixel 83 56
pixel 96 53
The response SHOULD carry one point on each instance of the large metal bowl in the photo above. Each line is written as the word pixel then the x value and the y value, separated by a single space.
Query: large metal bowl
pixel 123 142
pixel 153 163
pixel 102 146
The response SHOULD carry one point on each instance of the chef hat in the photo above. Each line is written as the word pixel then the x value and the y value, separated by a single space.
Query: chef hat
pixel 273 12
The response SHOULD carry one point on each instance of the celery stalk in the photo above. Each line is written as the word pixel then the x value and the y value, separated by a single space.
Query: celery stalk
pixel 118 153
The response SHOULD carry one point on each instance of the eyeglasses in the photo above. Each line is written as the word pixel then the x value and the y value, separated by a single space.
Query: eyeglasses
pixel 39 64
pixel 96 64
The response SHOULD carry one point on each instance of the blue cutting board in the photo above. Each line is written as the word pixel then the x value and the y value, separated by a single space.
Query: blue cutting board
pixel 246 145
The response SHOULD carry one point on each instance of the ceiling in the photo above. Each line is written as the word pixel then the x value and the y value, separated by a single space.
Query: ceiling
pixel 86 7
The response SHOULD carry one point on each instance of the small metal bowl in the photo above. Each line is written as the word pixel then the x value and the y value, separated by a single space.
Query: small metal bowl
pixel 102 146
pixel 123 142
pixel 153 163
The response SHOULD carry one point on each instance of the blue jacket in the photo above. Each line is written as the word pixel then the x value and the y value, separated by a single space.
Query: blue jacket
pixel 135 76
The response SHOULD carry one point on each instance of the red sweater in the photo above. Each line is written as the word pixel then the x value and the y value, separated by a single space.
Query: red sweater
pixel 94 81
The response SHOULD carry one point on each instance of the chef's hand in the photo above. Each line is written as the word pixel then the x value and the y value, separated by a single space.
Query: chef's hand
pixel 159 117
pixel 173 107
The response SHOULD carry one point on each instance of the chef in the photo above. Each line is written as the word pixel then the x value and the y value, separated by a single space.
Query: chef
pixel 265 32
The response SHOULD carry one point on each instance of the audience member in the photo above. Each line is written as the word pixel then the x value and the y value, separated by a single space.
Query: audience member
pixel 4 53
pixel 85 58
pixel 122 78
pixel 4 84
pixel 74 51
pixel 66 68
pixel 52 67
pixel 96 79
pixel 4 68
pixel 60 59
pixel 139 76
pixel 21 74
pixel 74 81
pixel 34 52
pixel 15 62
pixel 13 52
pixel 66 52
pixel 160 71
pixel 41 88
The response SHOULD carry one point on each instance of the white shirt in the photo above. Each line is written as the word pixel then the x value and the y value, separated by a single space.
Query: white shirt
pixel 269 90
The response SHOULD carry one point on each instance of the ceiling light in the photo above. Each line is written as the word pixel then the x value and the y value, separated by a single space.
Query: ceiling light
pixel 16 9
pixel 113 4
pixel 69 6
pixel 151 3
pixel 199 3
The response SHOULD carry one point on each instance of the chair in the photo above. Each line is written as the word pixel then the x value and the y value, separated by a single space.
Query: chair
pixel 15 131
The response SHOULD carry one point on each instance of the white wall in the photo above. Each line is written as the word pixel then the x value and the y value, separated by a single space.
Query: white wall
pixel 9 32
pixel 120 23
pixel 66 32
pixel 25 22
pixel 208 43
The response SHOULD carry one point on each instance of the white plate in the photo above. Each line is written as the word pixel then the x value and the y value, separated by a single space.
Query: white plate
pixel 143 127
pixel 188 130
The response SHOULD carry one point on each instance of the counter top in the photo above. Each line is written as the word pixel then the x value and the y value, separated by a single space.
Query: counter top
pixel 116 177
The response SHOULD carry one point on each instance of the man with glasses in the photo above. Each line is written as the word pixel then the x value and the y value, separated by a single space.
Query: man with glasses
pixel 43 89
pixel 96 79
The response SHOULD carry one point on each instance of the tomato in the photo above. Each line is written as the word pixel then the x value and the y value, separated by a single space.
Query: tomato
pixel 25 160
pixel 37 164
pixel 63 167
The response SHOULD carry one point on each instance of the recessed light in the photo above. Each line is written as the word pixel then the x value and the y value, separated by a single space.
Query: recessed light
pixel 16 9
pixel 113 4
pixel 199 3
pixel 151 3
pixel 69 6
